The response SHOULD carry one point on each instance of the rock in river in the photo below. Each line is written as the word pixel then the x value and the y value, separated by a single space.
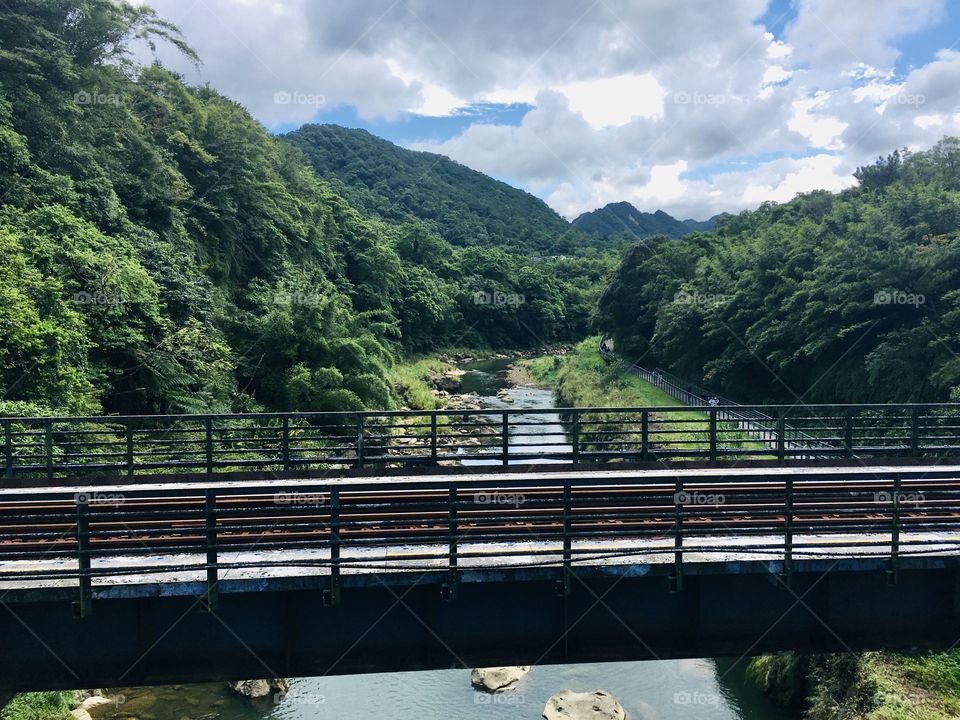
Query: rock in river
pixel 259 688
pixel 569 705
pixel 498 679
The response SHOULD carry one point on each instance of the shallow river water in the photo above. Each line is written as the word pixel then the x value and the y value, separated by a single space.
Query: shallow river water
pixel 656 690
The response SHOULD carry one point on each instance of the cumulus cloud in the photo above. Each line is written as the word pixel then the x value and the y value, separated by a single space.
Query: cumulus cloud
pixel 695 107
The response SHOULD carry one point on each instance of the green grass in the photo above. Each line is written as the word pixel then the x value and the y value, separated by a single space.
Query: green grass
pixel 584 379
pixel 865 686
pixel 411 375
pixel 39 706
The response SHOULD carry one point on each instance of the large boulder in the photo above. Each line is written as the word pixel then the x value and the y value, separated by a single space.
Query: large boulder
pixel 597 705
pixel 446 383
pixel 259 688
pixel 498 679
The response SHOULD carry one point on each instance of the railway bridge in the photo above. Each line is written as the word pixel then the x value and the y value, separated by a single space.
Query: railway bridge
pixel 148 550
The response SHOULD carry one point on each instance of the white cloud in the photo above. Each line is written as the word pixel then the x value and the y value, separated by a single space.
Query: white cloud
pixel 628 96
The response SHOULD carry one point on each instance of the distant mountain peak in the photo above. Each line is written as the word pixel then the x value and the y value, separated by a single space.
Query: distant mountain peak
pixel 622 218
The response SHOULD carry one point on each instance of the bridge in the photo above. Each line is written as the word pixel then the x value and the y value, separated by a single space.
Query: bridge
pixel 148 550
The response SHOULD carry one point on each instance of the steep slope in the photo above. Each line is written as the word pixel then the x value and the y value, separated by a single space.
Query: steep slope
pixel 463 206
pixel 623 219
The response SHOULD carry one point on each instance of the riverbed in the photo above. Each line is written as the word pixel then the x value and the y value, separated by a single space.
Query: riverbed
pixel 698 689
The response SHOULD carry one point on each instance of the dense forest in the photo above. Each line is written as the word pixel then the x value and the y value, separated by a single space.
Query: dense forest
pixel 831 297
pixel 162 252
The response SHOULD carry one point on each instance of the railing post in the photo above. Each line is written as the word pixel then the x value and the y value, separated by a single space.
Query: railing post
pixel 213 580
pixel 505 442
pixel 334 597
pixel 848 432
pixel 128 437
pixel 8 448
pixel 781 435
pixel 676 580
pixel 893 573
pixel 915 432
pixel 451 590
pixel 359 441
pixel 713 433
pixel 645 435
pixel 85 605
pixel 575 437
pixel 788 530
pixel 567 538
pixel 433 438
pixel 48 447
pixel 285 443
pixel 208 432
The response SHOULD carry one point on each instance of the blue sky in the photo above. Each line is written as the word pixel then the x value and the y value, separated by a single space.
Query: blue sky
pixel 695 107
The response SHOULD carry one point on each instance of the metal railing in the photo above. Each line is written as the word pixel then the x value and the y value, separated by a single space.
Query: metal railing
pixel 201 532
pixel 762 425
pixel 56 448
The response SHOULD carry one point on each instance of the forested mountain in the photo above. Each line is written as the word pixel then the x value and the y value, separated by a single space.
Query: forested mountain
pixel 460 205
pixel 622 219
pixel 847 297
pixel 160 251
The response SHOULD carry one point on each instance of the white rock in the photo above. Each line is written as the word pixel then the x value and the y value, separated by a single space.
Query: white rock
pixel 259 688
pixel 569 705
pixel 94 701
pixel 498 679
pixel 79 714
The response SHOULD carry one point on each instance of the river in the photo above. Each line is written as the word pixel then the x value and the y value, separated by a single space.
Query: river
pixel 656 690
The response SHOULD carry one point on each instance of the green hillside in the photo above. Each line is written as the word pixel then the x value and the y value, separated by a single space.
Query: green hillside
pixel 622 219
pixel 847 297
pixel 460 205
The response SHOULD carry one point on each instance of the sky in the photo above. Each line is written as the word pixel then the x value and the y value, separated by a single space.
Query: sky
pixel 694 106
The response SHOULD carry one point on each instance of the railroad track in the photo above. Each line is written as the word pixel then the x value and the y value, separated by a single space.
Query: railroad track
pixel 288 517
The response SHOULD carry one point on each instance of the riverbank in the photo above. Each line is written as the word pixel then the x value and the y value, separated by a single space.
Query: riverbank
pixel 864 686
